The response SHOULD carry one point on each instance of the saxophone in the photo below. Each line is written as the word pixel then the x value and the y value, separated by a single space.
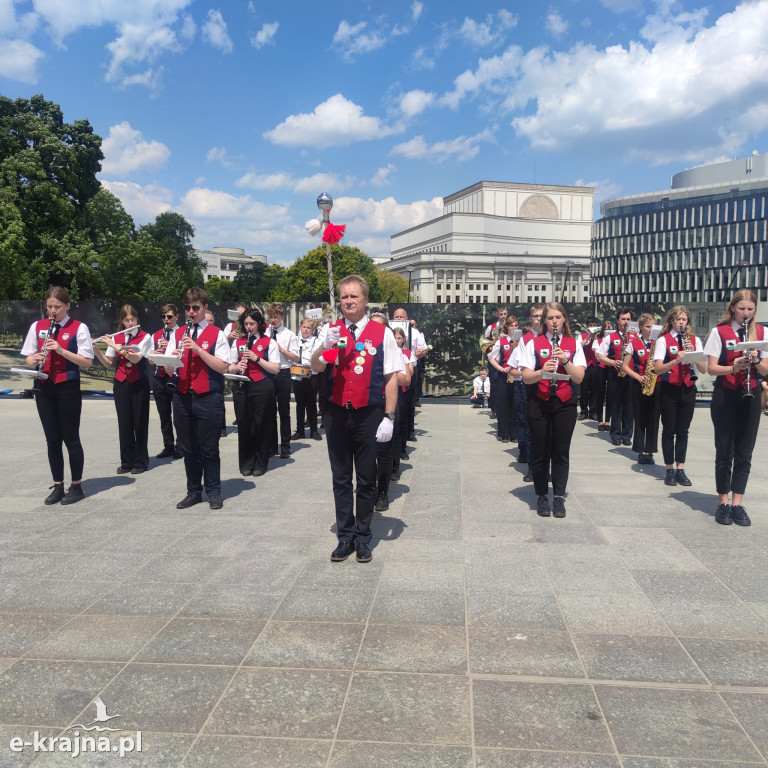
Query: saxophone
pixel 650 373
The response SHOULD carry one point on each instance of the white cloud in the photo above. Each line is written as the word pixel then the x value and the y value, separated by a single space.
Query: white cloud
pixel 125 151
pixel 381 177
pixel 415 102
pixel 214 32
pixel 417 8
pixel 143 203
pixel 188 28
pixel 352 40
pixel 334 123
pixel 461 148
pixel 202 202
pixel 491 74
pixel 303 185
pixel 556 25
pixel 490 32
pixel 217 155
pixel 265 35
pixel 139 44
pixel 18 60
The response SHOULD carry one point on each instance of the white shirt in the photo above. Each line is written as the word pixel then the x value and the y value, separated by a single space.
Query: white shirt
pixel 84 343
pixel 393 358
pixel 660 350
pixel 714 344
pixel 287 340
pixel 483 385
pixel 272 353
pixel 528 356
pixel 221 350
pixel 145 345
pixel 227 330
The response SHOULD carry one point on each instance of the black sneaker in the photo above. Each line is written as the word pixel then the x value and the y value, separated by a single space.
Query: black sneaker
pixel 670 478
pixel 166 453
pixel 642 458
pixel 582 416
pixel 542 507
pixel 189 500
pixel 649 458
pixel 75 493
pixel 178 454
pixel 682 478
pixel 528 477
pixel 558 507
pixel 315 436
pixel 395 474
pixel 123 469
pixel 382 503
pixel 723 514
pixel 285 453
pixel 403 455
pixel 56 495
pixel 739 515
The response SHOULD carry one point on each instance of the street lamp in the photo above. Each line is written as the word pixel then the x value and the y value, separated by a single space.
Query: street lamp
pixel 410 273
pixel 325 203
pixel 743 263
pixel 568 265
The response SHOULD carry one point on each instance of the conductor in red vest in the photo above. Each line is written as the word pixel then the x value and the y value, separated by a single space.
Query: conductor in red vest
pixel 198 403
pixel 360 392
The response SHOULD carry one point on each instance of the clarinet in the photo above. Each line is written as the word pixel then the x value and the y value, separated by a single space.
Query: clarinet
pixel 41 364
pixel 747 394
pixel 555 345
pixel 174 382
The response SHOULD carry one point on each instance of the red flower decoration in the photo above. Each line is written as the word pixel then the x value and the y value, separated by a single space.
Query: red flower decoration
pixel 333 233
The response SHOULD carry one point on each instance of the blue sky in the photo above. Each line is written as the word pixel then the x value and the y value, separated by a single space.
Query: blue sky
pixel 238 114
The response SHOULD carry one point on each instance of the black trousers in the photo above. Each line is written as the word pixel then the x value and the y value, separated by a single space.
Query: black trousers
pixel 282 386
pixel 413 396
pixel 645 411
pixel 493 398
pixel 254 403
pixel 132 407
pixel 385 457
pixel 620 406
pixel 305 392
pixel 677 407
pixel 736 420
pixel 197 419
pixel 163 403
pixel 59 406
pixel 351 438
pixel 521 422
pixel 551 423
pixel 505 406
pixel 403 420
pixel 591 390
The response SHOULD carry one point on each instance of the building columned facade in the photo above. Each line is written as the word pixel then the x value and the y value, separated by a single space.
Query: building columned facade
pixel 685 245
pixel 500 242
pixel 225 262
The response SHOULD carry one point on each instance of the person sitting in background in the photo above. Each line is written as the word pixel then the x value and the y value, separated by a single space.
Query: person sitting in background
pixel 481 389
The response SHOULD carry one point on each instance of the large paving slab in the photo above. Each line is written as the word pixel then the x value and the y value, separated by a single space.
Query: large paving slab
pixel 631 634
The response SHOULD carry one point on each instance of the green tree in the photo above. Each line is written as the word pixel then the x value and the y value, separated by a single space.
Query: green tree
pixel 221 291
pixel 12 246
pixel 307 278
pixel 173 234
pixel 394 287
pixel 258 283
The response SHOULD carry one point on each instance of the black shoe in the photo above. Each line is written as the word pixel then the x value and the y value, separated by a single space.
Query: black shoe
pixel 56 495
pixel 395 474
pixel 504 439
pixel 542 507
pixel 75 493
pixel 215 502
pixel 669 478
pixel 382 503
pixel 189 500
pixel 738 515
pixel 297 435
pixel 246 472
pixel 582 416
pixel 723 514
pixel 272 453
pixel 223 432
pixel 558 507
pixel 649 458
pixel 285 454
pixel 257 472
pixel 682 478
pixel 343 551
pixel 138 469
pixel 642 458
pixel 234 423
pixel 166 453
pixel 403 455
pixel 615 442
pixel 178 454
pixel 626 442
pixel 493 414
pixel 528 477
pixel 315 436
pixel 418 403
pixel 412 437
pixel 363 552
pixel 123 470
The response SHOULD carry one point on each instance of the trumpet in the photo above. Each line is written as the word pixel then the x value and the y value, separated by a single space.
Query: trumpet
pixel 747 394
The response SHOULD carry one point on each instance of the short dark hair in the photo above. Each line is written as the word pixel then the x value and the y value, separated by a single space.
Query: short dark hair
pixel 196 294
pixel 624 311
pixel 170 308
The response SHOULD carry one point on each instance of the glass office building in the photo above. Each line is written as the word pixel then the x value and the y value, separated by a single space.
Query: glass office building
pixel 685 245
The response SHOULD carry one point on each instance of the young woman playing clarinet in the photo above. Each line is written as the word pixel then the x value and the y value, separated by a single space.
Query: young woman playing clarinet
pixel 603 405
pixel 645 407
pixel 678 390
pixel 256 356
pixel 402 423
pixel 60 346
pixel 128 350
pixel 552 404
pixel 735 408
pixel 499 357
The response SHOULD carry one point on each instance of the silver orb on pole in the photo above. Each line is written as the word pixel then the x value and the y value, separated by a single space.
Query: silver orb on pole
pixel 325 203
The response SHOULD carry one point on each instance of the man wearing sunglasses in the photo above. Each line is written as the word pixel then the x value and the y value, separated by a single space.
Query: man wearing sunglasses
pixel 198 403
pixel 163 394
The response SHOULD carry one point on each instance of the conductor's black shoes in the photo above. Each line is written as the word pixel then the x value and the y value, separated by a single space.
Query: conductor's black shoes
pixel 56 495
pixel 215 502
pixel 382 503
pixel 189 500
pixel 682 478
pixel 166 453
pixel 542 507
pixel 558 507
pixel 343 551
pixel 363 552
pixel 739 515
pixel 75 494
pixel 670 478
pixel 723 514
pixel 528 477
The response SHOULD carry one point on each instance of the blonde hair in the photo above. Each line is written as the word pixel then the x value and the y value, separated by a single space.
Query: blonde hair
pixel 557 307
pixel 646 317
pixel 743 295
pixel 674 313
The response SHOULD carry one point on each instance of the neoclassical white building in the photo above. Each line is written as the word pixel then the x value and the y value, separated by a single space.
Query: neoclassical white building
pixel 500 242
pixel 225 262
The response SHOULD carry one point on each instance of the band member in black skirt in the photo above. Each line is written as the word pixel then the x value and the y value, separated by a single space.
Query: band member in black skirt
pixel 129 350
pixel 498 358
pixel 735 408
pixel 645 408
pixel 678 390
pixel 256 356
pixel 552 405
pixel 61 346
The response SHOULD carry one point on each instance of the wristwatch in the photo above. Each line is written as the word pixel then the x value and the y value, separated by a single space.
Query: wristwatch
pixel 390 416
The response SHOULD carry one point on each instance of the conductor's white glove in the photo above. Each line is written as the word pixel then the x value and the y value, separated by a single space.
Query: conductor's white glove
pixel 332 337
pixel 384 432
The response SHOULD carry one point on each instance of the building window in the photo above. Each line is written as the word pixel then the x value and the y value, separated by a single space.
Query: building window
pixel 447 286
pixel 703 320
pixel 485 299
pixel 485 287
pixel 530 288
pixel 499 288
pixel 447 299
pixel 439 287
pixel 438 299
pixel 530 300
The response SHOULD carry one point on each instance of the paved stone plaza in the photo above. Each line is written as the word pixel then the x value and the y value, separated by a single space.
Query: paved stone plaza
pixel 633 633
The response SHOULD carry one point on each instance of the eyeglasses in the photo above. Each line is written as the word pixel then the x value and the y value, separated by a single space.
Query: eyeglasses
pixel 193 307
pixel 169 317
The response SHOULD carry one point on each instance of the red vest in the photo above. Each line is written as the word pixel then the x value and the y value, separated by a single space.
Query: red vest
pixel 358 379
pixel 679 375
pixel 640 355
pixel 196 375
pixel 542 350
pixel 728 354
pixel 506 348
pixel 260 348
pixel 58 368
pixel 615 344
pixel 527 337
pixel 157 337
pixel 126 370
pixel 589 353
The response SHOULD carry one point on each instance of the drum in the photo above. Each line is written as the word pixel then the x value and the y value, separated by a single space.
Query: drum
pixel 299 372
